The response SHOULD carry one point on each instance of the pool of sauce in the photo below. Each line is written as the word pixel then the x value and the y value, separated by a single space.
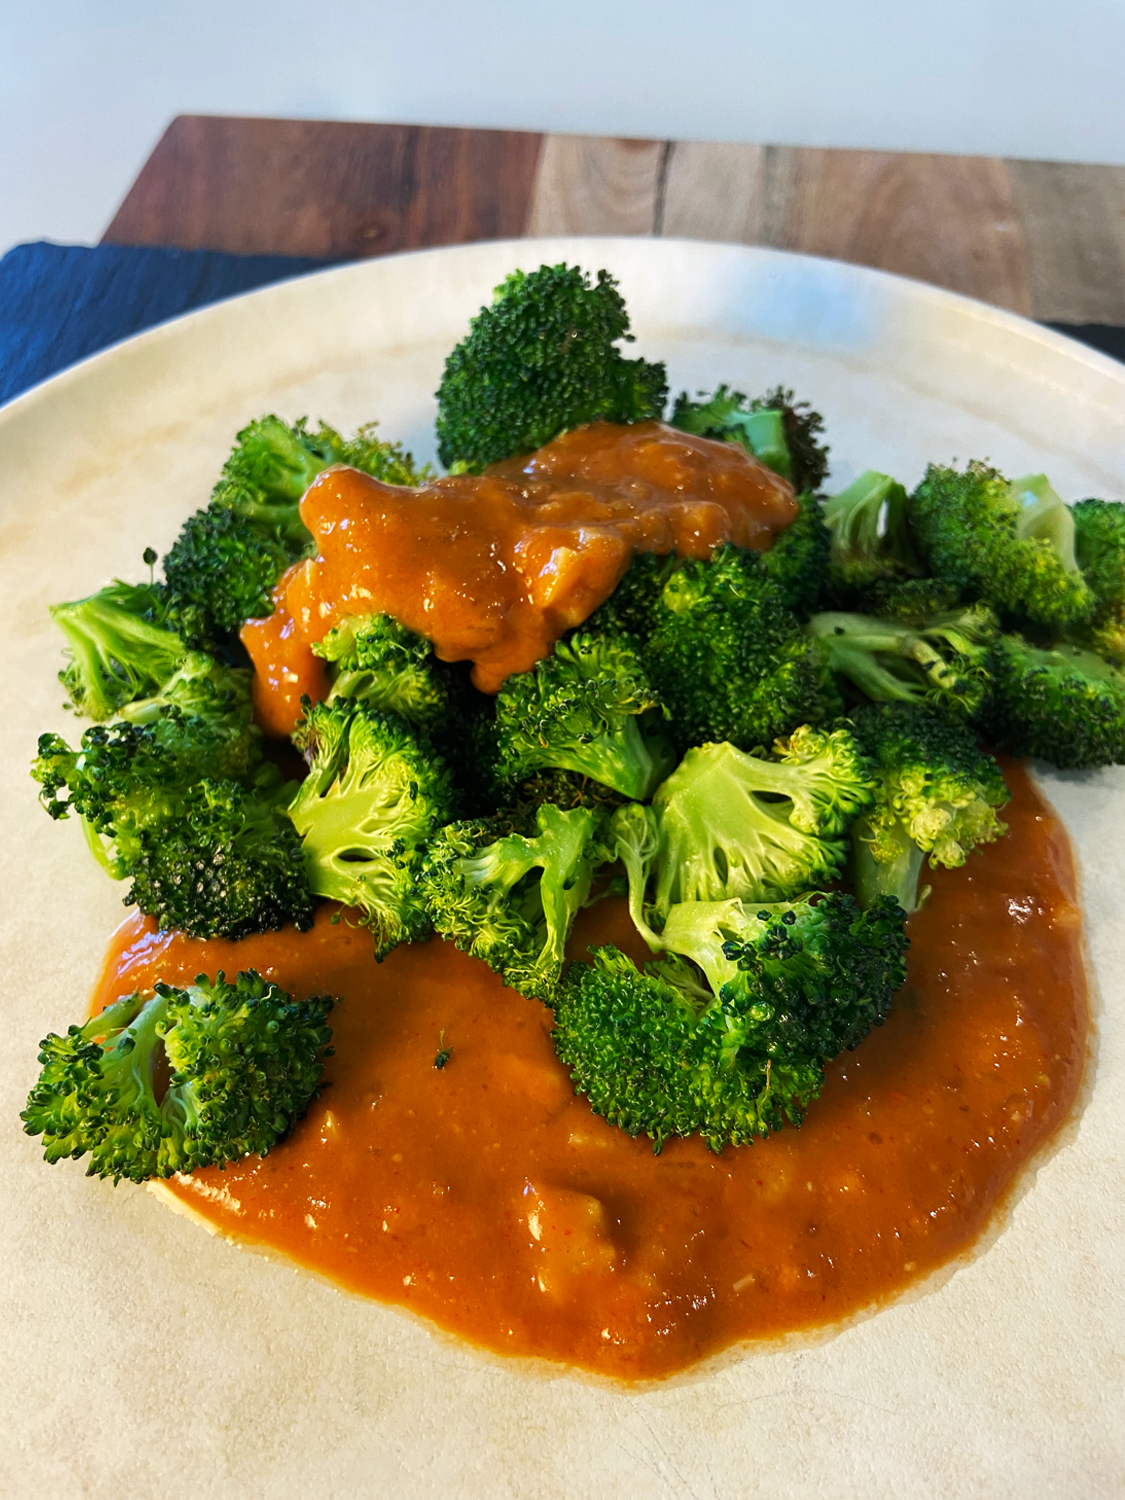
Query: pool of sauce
pixel 487 1197
pixel 493 568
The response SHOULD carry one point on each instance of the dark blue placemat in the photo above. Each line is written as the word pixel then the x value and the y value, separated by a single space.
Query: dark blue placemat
pixel 59 303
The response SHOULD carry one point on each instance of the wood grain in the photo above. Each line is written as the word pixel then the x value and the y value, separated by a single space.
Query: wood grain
pixel 323 188
pixel 1043 238
pixel 1074 224
pixel 596 185
pixel 949 220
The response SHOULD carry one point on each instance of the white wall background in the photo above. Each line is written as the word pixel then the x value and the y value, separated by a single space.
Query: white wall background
pixel 87 86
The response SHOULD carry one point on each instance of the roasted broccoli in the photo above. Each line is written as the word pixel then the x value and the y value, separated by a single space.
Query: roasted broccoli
pixel 180 1079
pixel 936 794
pixel 587 708
pixel 945 661
pixel 120 647
pixel 1009 543
pixel 727 658
pixel 797 562
pixel 541 360
pixel 374 794
pixel 730 1039
pixel 780 431
pixel 509 896
pixel 1099 548
pixel 726 824
pixel 222 568
pixel 1062 704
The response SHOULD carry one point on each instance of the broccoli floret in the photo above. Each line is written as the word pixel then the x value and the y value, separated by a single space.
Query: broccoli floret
pixel 732 825
pixel 870 537
pixel 741 1051
pixel 1065 705
pixel 1010 543
pixel 374 794
pixel 509 897
pixel 541 360
pixel 797 563
pixel 936 794
pixel 228 557
pixel 241 1062
pixel 779 431
pixel 633 607
pixel 945 661
pixel 729 660
pixel 587 708
pixel 1099 547
pixel 229 865
pixel 120 647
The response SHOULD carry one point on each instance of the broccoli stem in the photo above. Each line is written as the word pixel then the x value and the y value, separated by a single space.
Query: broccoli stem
pixel 898 877
pixel 1045 517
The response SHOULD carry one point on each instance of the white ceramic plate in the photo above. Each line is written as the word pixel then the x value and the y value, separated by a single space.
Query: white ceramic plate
pixel 140 1355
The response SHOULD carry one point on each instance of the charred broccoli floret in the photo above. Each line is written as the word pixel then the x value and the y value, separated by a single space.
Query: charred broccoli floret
pixel 1010 543
pixel 180 1079
pixel 936 794
pixel 729 1040
pixel 780 431
pixel 510 897
pixel 374 794
pixel 588 708
pixel 542 359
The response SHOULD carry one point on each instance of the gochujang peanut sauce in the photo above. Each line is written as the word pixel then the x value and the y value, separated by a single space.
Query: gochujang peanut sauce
pixel 494 568
pixel 487 1196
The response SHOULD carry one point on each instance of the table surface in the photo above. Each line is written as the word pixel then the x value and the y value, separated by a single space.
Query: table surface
pixel 1046 239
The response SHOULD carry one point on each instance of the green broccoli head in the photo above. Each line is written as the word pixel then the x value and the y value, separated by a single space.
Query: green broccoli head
pixel 374 794
pixel 666 1052
pixel 1065 705
pixel 1099 548
pixel 1008 542
pixel 797 562
pixel 781 432
pixel 537 362
pixel 385 666
pixel 870 537
pixel 229 865
pixel 510 897
pixel 936 795
pixel 224 565
pixel 587 708
pixel 944 660
pixel 633 609
pixel 729 660
pixel 242 1062
pixel 732 825
pixel 120 647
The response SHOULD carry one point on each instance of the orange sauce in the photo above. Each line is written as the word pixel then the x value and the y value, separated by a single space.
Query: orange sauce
pixel 487 1196
pixel 494 568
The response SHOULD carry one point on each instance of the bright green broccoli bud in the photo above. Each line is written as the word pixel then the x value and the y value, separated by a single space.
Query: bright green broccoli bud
pixel 228 557
pixel 1099 548
pixel 229 865
pixel 1010 543
pixel 374 795
pixel 945 662
pixel 539 361
pixel 732 825
pixel 181 1079
pixel 936 795
pixel 666 1052
pixel 1064 705
pixel 779 431
pixel 729 660
pixel 385 666
pixel 588 708
pixel 510 898
pixel 633 608
pixel 797 562
pixel 119 646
